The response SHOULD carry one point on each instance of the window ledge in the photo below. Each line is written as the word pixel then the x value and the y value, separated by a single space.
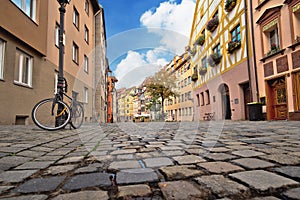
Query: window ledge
pixel 261 4
pixel 293 46
pixel 22 84
pixel 274 54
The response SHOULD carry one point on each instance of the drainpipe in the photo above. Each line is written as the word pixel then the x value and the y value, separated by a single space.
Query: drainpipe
pixel 254 53
pixel 247 49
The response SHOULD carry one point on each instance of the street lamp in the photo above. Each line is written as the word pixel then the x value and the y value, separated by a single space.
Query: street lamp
pixel 60 81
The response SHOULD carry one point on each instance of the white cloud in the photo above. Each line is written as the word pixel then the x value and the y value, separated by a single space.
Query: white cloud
pixel 170 21
pixel 133 69
pixel 172 16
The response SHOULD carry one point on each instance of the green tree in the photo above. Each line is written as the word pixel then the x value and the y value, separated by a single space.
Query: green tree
pixel 162 86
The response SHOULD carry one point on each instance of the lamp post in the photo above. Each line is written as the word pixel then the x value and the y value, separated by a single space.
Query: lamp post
pixel 60 81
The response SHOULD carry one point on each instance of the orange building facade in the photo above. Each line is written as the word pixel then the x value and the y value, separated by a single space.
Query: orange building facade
pixel 277 52
pixel 111 80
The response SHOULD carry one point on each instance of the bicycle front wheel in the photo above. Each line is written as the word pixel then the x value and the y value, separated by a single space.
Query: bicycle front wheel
pixel 50 114
pixel 77 115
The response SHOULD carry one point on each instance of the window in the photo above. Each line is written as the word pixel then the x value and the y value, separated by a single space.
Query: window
pixel 198 100
pixel 76 18
pixel 202 99
pixel 208 97
pixel 86 34
pixel 28 7
pixel 75 53
pixel 86 7
pixel 57 27
pixel 86 94
pixel 2 52
pixel 217 49
pixel 274 39
pixel 23 68
pixel 86 64
pixel 236 34
pixel 204 62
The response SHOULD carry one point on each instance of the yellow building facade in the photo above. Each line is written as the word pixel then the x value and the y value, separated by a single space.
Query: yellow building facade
pixel 221 60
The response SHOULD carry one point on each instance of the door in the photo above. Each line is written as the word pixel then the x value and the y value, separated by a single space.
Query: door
pixel 226 108
pixel 278 99
pixel 247 98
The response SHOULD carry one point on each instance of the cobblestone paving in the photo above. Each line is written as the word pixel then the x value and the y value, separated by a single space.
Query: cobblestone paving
pixel 178 161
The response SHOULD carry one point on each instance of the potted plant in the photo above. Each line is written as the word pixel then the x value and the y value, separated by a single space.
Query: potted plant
pixel 200 40
pixel 214 59
pixel 274 49
pixel 297 39
pixel 229 5
pixel 193 50
pixel 203 70
pixel 195 76
pixel 212 24
pixel 233 45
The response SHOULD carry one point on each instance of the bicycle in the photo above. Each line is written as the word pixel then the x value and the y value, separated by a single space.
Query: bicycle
pixel 53 113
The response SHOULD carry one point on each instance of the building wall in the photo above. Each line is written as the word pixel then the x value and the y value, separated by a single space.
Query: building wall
pixel 281 65
pixel 232 69
pixel 36 37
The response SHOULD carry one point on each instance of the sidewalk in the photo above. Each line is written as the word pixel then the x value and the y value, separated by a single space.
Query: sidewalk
pixel 209 160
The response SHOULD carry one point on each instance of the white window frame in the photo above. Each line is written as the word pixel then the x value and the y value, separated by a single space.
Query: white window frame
pixel 29 11
pixel 86 34
pixel 57 28
pixel 87 7
pixel 86 64
pixel 86 94
pixel 2 53
pixel 76 18
pixel 75 53
pixel 20 68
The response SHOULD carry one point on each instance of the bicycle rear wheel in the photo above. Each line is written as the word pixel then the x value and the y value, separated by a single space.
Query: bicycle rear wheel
pixel 77 115
pixel 46 116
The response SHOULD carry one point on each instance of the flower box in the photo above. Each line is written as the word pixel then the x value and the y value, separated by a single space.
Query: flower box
pixel 202 71
pixel 200 40
pixel 297 39
pixel 233 45
pixel 195 76
pixel 212 24
pixel 214 59
pixel 229 5
pixel 193 51
pixel 274 49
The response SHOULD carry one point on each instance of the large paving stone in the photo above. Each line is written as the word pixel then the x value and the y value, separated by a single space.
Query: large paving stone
pixel 220 167
pixel 253 163
pixel 15 176
pixel 5 188
pixel 263 180
pixel 71 159
pixel 247 153
pixel 28 197
pixel 219 156
pixel 265 198
pixel 54 170
pixel 188 159
pixel 40 185
pixel 126 192
pixel 180 190
pixel 87 180
pixel 12 161
pixel 292 193
pixel 158 162
pixel 223 187
pixel 90 168
pixel 84 195
pixel 180 172
pixel 133 176
pixel 292 171
pixel 128 164
pixel 35 165
pixel 282 159
pixel 126 151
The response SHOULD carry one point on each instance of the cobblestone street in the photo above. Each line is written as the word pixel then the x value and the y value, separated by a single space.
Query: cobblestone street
pixel 209 160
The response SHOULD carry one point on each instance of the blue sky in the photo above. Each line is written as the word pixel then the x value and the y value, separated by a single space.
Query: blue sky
pixel 141 34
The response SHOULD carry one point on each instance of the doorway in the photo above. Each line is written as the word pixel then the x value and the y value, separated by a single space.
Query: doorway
pixel 247 98
pixel 277 95
pixel 225 98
